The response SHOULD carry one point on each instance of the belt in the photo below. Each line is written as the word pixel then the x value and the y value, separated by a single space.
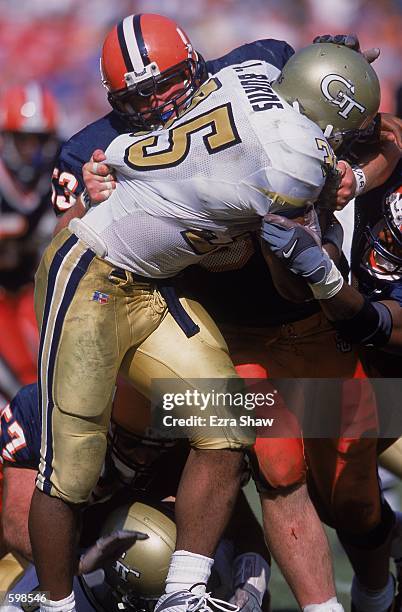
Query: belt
pixel 168 292
pixel 165 286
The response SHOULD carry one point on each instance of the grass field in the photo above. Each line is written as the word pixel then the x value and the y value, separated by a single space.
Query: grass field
pixel 282 598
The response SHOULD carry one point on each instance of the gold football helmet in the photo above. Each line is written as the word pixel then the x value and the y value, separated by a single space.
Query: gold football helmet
pixel 334 86
pixel 139 574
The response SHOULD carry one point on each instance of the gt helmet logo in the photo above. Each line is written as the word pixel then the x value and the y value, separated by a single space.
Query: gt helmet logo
pixel 123 570
pixel 343 100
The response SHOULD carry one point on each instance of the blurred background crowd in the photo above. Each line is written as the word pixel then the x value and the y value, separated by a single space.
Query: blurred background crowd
pixel 58 41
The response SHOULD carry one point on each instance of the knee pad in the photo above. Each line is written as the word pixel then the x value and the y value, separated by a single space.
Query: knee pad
pixel 277 463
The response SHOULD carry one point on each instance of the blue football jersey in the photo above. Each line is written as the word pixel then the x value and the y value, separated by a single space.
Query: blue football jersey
pixel 20 429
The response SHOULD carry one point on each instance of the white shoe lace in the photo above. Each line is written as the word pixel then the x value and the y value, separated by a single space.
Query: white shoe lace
pixel 198 603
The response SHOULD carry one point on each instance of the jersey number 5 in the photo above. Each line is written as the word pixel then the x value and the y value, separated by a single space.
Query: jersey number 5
pixel 222 134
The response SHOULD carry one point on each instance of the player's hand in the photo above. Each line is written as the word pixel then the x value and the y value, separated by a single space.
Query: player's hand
pixel 98 178
pixel 391 129
pixel 351 41
pixel 108 549
pixel 347 186
pixel 297 247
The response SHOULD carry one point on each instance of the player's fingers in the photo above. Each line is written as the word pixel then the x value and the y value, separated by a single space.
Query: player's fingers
pixel 98 156
pixel 101 196
pixel 371 54
pixel 109 178
pixel 96 169
pixel 341 167
pixel 352 41
pixel 107 186
pixel 94 188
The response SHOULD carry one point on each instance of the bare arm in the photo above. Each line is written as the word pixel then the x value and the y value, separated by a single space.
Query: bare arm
pixel 19 484
pixel 377 163
pixel 377 324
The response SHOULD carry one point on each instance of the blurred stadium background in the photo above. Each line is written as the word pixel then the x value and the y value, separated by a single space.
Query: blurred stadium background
pixel 58 43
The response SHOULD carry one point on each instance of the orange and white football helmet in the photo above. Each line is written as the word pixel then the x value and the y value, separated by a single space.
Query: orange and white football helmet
pixel 28 126
pixel 150 69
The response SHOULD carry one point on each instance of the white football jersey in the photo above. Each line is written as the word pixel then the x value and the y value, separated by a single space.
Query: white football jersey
pixel 237 152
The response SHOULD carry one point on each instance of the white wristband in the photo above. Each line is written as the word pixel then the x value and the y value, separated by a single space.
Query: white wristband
pixel 361 179
pixel 330 286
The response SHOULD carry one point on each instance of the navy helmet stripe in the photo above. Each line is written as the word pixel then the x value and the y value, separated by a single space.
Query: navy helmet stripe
pixel 76 275
pixel 123 47
pixel 140 39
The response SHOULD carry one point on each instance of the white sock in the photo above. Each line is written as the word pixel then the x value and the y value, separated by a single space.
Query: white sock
pixel 187 569
pixel 253 572
pixel 373 601
pixel 62 605
pixel 331 605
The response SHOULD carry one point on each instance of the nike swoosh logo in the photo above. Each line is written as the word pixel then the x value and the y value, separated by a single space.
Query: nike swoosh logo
pixel 289 252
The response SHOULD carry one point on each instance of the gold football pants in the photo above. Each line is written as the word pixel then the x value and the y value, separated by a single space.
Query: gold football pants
pixel 92 323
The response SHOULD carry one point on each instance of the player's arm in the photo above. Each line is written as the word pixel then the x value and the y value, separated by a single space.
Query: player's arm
pixel 360 321
pixel 19 485
pixel 377 324
pixel 291 286
pixel 375 166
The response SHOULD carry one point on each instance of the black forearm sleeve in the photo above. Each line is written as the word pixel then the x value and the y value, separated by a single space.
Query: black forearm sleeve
pixel 371 326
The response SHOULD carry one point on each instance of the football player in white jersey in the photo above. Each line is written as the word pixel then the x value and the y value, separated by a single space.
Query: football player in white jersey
pixel 126 281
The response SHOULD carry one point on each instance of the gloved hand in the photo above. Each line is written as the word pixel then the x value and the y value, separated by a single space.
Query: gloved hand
pixel 351 41
pixel 108 549
pixel 300 250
